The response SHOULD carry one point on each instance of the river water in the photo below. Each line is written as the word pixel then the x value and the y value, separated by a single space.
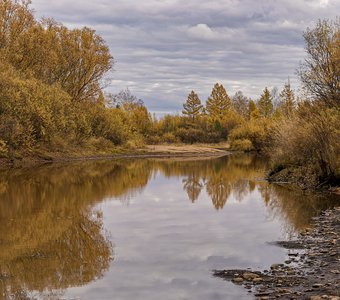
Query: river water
pixel 143 228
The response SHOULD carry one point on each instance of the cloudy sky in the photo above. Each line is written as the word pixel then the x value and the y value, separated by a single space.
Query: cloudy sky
pixel 166 48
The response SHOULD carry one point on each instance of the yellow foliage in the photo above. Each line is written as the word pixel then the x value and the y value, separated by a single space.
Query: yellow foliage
pixel 257 131
pixel 311 139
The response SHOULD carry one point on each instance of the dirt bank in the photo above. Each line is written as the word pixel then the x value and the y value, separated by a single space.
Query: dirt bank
pixel 311 270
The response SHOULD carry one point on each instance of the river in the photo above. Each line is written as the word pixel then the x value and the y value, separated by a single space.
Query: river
pixel 143 228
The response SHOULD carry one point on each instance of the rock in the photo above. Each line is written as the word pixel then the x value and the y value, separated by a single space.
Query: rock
pixel 315 298
pixel 257 280
pixel 250 276
pixel 262 294
pixel 238 279
pixel 317 285
pixel 276 266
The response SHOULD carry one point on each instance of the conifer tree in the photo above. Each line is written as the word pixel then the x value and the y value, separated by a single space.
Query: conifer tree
pixel 193 106
pixel 219 103
pixel 287 104
pixel 265 104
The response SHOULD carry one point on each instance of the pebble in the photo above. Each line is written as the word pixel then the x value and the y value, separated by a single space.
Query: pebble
pixel 276 266
pixel 250 276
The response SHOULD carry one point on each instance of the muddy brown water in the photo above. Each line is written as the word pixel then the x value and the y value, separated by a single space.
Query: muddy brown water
pixel 143 228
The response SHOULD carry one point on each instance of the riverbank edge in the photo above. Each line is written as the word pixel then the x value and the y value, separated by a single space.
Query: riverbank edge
pixel 302 178
pixel 310 271
pixel 157 151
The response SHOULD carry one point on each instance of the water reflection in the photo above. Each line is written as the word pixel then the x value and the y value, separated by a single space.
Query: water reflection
pixel 219 177
pixel 239 176
pixel 52 237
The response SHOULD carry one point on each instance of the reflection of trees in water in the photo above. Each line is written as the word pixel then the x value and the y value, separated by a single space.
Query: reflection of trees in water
pixel 294 206
pixel 193 186
pixel 50 236
pixel 238 175
pixel 218 190
pixel 78 256
pixel 220 176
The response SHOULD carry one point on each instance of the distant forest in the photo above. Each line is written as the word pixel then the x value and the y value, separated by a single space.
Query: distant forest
pixel 52 100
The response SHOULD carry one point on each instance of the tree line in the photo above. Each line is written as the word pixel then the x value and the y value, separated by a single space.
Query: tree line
pixel 222 115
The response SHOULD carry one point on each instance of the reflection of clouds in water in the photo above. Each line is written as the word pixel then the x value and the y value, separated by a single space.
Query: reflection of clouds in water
pixel 159 247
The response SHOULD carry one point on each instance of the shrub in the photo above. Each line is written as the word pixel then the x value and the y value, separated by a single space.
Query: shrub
pixel 242 145
pixel 170 138
pixel 311 139
pixel 258 132
pixel 190 135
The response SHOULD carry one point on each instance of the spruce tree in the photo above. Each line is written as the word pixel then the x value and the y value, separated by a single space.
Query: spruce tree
pixel 193 106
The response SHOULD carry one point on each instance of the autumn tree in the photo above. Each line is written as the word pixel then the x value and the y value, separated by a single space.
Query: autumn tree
pixel 320 72
pixel 75 59
pixel 137 114
pixel 253 110
pixel 193 106
pixel 219 103
pixel 241 104
pixel 265 104
pixel 287 101
pixel 51 87
pixel 84 60
pixel 125 99
pixel 15 19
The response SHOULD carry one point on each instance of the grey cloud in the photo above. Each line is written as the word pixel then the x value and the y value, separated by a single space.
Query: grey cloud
pixel 166 48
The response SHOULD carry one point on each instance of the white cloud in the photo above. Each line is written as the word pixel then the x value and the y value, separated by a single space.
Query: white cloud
pixel 202 31
pixel 165 48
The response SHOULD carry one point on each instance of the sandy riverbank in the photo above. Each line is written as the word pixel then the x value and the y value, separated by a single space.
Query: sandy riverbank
pixel 197 150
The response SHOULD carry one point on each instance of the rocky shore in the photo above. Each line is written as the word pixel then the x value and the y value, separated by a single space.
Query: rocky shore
pixel 311 270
